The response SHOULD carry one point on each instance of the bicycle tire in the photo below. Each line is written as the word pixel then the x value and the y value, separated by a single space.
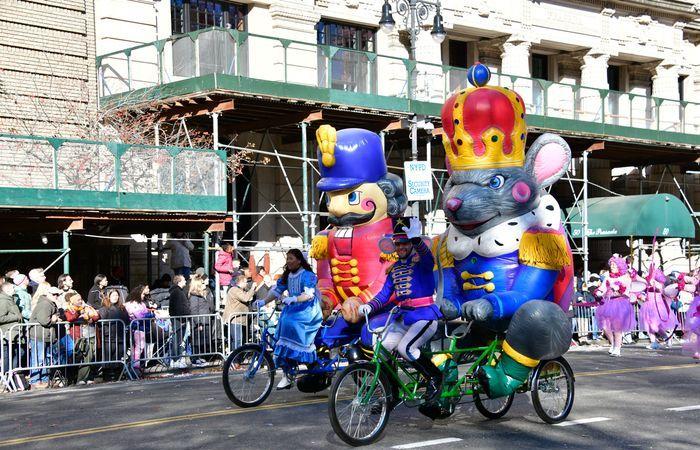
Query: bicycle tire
pixel 256 350
pixel 537 387
pixel 368 369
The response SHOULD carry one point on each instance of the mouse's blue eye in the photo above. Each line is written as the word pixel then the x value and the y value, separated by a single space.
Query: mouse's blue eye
pixel 496 182
pixel 354 198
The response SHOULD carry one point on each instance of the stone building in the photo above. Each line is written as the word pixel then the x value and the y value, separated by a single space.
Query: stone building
pixel 261 76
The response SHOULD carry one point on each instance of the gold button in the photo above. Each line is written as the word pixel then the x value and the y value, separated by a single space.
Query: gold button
pixel 355 280
pixel 335 270
pixel 354 271
pixel 353 262
pixel 465 275
pixel 488 275
pixel 337 278
pixel 334 262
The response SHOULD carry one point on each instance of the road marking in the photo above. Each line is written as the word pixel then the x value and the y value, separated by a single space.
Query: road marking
pixel 150 422
pixel 428 443
pixel 684 408
pixel 581 421
pixel 226 412
pixel 631 370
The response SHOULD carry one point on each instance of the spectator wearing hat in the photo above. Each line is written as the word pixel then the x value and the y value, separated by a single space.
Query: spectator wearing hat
pixel 22 296
pixel 10 315
pixel 36 277
pixel 42 336
pixel 10 274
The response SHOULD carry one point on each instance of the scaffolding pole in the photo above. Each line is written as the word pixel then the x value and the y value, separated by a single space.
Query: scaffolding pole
pixel 584 216
pixel 66 249
pixel 305 184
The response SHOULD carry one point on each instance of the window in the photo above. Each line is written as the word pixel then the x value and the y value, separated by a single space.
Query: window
pixel 349 69
pixel 614 78
pixel 345 36
pixel 192 15
pixel 681 87
pixel 458 54
pixel 540 66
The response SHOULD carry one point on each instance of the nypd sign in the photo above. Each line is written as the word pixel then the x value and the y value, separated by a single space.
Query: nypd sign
pixel 419 180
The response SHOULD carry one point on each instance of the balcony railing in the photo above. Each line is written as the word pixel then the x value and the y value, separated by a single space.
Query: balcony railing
pixel 57 172
pixel 272 59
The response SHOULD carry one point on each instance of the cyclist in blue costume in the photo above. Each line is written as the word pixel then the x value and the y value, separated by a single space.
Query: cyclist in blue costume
pixel 411 283
pixel 301 317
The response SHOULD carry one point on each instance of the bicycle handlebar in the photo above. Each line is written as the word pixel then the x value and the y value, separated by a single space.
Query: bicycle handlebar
pixel 468 323
pixel 381 330
pixel 334 315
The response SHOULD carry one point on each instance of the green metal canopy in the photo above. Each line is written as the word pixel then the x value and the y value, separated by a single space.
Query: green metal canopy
pixel 662 215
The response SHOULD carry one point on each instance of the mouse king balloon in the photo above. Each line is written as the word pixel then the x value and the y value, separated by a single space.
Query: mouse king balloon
pixel 504 258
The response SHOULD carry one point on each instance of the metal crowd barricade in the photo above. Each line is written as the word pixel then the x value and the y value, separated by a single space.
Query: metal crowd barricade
pixel 584 320
pixel 46 352
pixel 175 342
pixel 246 327
pixel 4 381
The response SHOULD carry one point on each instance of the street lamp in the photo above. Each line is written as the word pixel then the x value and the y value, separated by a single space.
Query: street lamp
pixel 414 13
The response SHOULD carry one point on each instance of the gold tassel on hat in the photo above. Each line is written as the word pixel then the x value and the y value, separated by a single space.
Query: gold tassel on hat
pixel 326 136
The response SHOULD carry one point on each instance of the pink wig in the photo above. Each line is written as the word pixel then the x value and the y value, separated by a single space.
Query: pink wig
pixel 620 262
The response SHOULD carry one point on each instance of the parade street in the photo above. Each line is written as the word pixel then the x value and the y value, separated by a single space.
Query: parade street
pixel 644 399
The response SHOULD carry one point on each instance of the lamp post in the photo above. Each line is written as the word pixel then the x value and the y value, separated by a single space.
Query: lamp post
pixel 414 13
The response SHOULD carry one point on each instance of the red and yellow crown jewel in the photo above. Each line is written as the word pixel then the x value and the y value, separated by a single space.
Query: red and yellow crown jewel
pixel 484 128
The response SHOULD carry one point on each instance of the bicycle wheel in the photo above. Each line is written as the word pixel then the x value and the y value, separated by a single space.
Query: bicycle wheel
pixel 248 376
pixel 358 406
pixel 492 408
pixel 552 390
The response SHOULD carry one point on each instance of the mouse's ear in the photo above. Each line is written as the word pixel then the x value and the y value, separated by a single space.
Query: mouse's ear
pixel 548 159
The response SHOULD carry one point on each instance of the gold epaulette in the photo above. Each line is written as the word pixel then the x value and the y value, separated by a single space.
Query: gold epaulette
pixel 544 250
pixel 319 247
pixel 391 257
pixel 446 258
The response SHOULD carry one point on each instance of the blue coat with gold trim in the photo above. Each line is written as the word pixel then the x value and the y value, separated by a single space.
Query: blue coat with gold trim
pixel 408 279
pixel 508 280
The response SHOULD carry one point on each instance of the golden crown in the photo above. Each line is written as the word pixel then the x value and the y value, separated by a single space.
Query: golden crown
pixel 484 128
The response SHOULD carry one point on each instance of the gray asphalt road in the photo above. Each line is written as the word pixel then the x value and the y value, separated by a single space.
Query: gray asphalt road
pixel 626 400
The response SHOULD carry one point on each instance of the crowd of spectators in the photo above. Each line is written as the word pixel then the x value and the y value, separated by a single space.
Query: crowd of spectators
pixel 67 327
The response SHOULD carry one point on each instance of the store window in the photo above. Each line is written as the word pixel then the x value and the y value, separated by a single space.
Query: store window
pixel 192 15
pixel 351 69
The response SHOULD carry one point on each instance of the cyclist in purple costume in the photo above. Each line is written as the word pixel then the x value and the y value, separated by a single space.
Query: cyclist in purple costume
pixel 410 280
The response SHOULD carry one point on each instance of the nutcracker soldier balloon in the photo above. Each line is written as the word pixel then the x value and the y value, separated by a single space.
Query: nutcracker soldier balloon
pixel 362 198
pixel 504 258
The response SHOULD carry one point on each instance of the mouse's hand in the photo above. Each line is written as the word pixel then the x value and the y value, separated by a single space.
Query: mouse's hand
pixel 479 310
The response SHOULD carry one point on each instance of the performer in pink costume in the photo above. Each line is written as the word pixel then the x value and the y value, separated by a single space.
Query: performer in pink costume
pixel 692 316
pixel 616 315
pixel 656 315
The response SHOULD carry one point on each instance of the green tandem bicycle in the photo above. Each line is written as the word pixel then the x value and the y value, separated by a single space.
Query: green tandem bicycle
pixel 364 394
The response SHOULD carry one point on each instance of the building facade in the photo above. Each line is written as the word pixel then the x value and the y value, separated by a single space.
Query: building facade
pixel 260 76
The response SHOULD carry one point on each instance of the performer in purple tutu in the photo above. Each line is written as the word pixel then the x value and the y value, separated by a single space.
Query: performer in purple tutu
pixel 656 315
pixel 692 316
pixel 616 315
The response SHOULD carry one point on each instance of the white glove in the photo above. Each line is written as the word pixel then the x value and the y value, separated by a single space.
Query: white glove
pixel 364 309
pixel 414 229
pixel 289 300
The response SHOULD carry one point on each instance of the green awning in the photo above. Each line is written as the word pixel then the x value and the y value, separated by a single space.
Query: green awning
pixel 662 215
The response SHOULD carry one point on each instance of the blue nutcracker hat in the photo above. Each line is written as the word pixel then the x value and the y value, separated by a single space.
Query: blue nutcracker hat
pixel 348 158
